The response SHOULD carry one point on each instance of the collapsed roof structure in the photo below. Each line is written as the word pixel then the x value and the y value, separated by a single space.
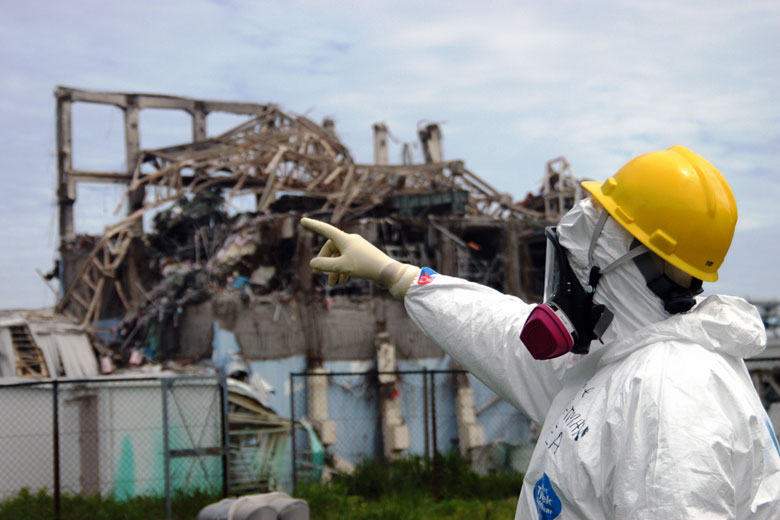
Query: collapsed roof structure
pixel 437 213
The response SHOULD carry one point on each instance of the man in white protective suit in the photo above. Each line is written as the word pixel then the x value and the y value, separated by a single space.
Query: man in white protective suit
pixel 648 410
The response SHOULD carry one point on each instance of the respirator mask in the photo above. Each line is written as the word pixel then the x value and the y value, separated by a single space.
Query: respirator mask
pixel 568 320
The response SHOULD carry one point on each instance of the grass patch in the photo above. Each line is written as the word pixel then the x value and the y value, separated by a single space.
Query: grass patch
pixel 27 505
pixel 398 490
pixel 404 489
pixel 338 506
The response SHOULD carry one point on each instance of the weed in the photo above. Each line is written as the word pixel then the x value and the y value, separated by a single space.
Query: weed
pixel 404 489
pixel 40 505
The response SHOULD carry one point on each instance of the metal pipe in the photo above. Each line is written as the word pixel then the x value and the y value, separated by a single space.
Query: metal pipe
pixel 103 380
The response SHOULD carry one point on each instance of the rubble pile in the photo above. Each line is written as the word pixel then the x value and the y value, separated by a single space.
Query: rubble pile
pixel 197 251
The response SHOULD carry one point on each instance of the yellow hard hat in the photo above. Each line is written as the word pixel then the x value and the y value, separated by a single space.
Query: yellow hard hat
pixel 677 204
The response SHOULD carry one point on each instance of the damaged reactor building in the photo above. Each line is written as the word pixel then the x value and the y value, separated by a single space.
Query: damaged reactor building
pixel 167 285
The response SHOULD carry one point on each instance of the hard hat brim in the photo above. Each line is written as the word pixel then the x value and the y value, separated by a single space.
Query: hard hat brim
pixel 595 188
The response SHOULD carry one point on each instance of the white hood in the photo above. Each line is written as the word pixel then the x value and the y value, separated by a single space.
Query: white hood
pixel 624 290
pixel 728 325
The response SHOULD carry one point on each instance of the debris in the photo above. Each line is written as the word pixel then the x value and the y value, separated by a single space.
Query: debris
pixel 40 345
pixel 144 285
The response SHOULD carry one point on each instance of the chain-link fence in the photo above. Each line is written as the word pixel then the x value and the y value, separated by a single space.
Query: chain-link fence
pixel 349 418
pixel 169 436
pixel 120 437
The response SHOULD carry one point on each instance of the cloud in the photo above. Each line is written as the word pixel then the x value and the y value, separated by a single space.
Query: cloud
pixel 515 84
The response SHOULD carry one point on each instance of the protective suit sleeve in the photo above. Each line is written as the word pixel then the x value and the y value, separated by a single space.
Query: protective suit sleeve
pixel 675 453
pixel 480 328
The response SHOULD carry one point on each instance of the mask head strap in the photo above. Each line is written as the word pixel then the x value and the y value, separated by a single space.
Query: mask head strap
pixel 632 252
pixel 595 236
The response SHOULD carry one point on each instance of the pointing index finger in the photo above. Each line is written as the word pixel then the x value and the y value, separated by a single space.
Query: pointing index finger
pixel 326 230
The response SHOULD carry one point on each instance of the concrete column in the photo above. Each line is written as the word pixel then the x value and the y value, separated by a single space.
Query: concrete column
pixel 380 144
pixel 395 433
pixel 66 189
pixel 317 407
pixel 430 138
pixel 135 199
pixel 447 256
pixel 199 132
pixel 329 126
pixel 407 157
pixel 512 260
pixel 470 433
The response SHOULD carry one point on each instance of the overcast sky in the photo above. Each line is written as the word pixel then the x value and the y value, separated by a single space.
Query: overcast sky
pixel 513 84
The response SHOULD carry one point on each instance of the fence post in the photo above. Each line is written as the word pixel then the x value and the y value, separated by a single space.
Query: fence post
pixel 436 493
pixel 426 427
pixel 225 436
pixel 165 384
pixel 56 447
pixel 292 430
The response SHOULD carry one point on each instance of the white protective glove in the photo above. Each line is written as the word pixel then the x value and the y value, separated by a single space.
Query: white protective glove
pixel 348 254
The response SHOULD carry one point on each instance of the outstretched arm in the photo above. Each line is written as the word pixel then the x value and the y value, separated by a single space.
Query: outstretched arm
pixel 478 326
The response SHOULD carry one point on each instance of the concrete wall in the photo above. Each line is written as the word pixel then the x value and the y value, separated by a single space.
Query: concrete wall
pixel 25 439
pixel 268 330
